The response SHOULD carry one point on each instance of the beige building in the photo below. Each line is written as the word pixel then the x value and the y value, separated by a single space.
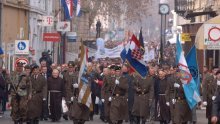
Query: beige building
pixel 194 13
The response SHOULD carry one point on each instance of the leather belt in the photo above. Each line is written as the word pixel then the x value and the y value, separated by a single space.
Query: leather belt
pixel 54 91
pixel 162 94
pixel 117 95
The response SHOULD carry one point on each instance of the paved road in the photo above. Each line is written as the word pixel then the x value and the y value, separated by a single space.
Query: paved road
pixel 7 120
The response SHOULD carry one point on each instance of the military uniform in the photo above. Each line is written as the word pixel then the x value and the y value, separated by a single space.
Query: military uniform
pixel 78 112
pixel 144 91
pixel 106 93
pixel 20 88
pixel 183 113
pixel 119 100
pixel 38 92
pixel 170 94
pixel 209 90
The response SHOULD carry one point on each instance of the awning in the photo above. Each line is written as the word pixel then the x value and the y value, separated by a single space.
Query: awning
pixel 199 41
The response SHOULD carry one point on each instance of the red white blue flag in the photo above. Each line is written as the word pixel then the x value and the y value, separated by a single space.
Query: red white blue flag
pixel 68 8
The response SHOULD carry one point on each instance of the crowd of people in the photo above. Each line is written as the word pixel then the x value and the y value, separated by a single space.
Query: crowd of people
pixel 117 95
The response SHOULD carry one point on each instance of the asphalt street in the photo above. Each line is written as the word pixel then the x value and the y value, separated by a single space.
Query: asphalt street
pixel 7 120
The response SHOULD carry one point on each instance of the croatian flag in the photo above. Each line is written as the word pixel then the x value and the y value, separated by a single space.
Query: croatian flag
pixel 68 8
pixel 189 84
pixel 132 53
pixel 78 8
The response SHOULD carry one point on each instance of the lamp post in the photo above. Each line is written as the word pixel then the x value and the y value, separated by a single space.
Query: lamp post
pixel 164 10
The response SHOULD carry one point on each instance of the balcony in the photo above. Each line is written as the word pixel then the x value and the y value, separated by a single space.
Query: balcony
pixel 190 9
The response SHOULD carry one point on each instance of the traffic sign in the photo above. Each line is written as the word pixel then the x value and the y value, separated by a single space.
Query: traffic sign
pixel 212 36
pixel 22 60
pixel 185 37
pixel 47 21
pixel 21 46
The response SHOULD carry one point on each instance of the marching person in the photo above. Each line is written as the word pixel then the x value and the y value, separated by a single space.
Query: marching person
pixel 71 88
pixel 19 91
pixel 56 93
pixel 170 92
pixel 216 103
pixel 144 91
pixel 106 90
pixel 78 112
pixel 164 110
pixel 45 114
pixel 209 90
pixel 38 93
pixel 182 111
pixel 119 97
pixel 103 75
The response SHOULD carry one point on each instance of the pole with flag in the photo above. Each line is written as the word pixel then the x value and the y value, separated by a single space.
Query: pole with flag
pixel 84 87
pixel 133 54
pixel 68 8
pixel 78 8
pixel 192 62
pixel 189 85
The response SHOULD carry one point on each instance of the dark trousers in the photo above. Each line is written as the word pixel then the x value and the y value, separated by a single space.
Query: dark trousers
pixel 45 113
pixel 102 111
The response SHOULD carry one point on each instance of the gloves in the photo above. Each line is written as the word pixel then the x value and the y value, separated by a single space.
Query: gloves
pixel 173 101
pixel 103 100
pixel 176 85
pixel 110 99
pixel 213 98
pixel 44 99
pixel 75 85
pixel 71 99
pixel 116 82
pixel 218 83
pixel 167 103
pixel 204 103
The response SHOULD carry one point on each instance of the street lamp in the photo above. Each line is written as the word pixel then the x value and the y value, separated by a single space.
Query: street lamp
pixel 164 10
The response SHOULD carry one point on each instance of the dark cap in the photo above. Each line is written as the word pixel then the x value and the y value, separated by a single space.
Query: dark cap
pixel 19 64
pixel 117 68
pixel 112 67
pixel 27 67
pixel 71 64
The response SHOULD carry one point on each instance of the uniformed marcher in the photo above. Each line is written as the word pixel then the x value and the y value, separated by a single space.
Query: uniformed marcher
pixel 78 112
pixel 164 110
pixel 119 97
pixel 182 111
pixel 19 91
pixel 209 90
pixel 170 93
pixel 106 91
pixel 144 92
pixel 37 94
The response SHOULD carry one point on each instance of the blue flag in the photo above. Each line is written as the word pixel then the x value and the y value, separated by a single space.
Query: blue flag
pixel 193 65
pixel 178 49
pixel 1 51
pixel 189 85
